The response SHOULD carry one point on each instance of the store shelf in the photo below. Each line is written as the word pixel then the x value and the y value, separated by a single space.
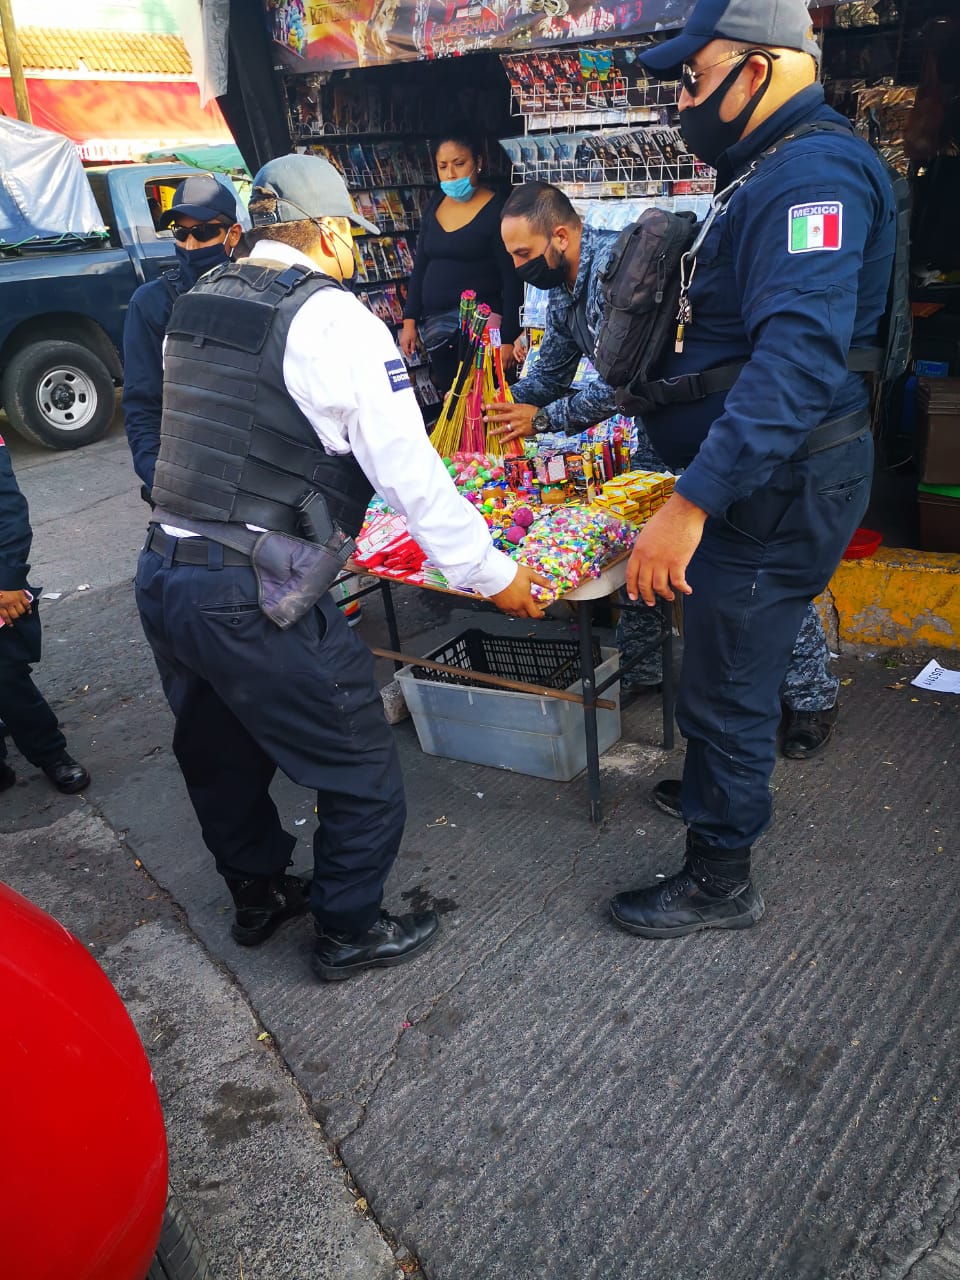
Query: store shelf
pixel 380 280
pixel 592 118
pixel 847 33
pixel 610 190
pixel 389 184
pixel 945 293
pixel 330 135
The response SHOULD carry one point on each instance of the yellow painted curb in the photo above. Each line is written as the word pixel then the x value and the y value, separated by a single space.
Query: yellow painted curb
pixel 896 599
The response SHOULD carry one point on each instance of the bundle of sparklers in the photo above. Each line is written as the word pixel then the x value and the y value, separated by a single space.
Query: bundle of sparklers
pixel 460 427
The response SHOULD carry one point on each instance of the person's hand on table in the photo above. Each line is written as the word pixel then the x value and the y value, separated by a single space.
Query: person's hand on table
pixel 509 421
pixel 407 341
pixel 517 599
pixel 663 549
pixel 13 605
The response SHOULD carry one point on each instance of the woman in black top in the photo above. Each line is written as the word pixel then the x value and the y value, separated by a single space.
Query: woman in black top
pixel 459 248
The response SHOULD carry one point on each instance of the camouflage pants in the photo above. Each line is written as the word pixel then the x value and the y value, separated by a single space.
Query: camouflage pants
pixel 636 629
pixel 809 684
pixel 639 627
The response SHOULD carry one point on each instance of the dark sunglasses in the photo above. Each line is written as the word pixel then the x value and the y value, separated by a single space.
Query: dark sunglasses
pixel 203 232
pixel 690 78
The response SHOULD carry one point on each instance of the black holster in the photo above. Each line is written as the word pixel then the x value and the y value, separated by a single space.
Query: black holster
pixel 292 574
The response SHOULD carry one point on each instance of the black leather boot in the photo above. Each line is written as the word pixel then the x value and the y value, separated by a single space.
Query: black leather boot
pixel 709 892
pixel 66 774
pixel 263 903
pixel 806 733
pixel 390 940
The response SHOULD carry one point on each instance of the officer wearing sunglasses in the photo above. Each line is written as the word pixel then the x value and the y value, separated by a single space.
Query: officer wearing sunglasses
pixel 764 406
pixel 203 219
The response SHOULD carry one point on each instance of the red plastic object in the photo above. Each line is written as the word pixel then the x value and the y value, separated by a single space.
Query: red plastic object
pixel 81 1130
pixel 863 543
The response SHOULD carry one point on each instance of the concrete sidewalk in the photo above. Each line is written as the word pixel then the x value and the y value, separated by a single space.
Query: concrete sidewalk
pixel 540 1096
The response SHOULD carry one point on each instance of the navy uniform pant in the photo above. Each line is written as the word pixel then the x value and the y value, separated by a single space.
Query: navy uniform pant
pixel 23 708
pixel 248 699
pixel 753 576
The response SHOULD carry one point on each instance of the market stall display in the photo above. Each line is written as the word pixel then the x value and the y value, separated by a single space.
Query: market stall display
pixel 557 512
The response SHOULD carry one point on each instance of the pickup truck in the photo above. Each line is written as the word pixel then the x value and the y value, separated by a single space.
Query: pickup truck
pixel 63 305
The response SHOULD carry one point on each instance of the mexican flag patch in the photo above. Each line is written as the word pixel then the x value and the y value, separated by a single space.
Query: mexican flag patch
pixel 814 226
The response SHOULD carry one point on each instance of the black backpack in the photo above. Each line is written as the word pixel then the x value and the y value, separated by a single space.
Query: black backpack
pixel 641 294
pixel 641 286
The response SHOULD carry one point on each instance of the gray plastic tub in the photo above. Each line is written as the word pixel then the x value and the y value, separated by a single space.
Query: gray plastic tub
pixel 540 736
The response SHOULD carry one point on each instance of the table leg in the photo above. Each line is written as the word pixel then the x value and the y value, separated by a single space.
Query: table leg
pixel 589 682
pixel 666 667
pixel 391 616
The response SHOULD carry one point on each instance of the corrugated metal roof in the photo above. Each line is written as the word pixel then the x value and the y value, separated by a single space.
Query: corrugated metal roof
pixel 114 52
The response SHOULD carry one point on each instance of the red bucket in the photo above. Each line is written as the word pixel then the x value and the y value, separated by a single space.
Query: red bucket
pixel 863 543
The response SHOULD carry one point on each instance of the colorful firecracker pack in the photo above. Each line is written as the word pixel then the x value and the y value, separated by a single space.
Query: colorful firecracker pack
pixel 547 525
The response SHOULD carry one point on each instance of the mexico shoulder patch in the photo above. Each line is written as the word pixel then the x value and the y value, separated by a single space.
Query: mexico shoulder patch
pixel 398 375
pixel 814 226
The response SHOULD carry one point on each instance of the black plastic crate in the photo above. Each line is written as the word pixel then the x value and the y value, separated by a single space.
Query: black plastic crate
pixel 554 664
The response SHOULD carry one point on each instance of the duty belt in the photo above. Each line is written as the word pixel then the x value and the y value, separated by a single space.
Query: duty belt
pixel 829 435
pixel 192 550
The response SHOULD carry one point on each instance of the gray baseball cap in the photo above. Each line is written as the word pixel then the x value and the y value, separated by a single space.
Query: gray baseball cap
pixel 782 24
pixel 305 187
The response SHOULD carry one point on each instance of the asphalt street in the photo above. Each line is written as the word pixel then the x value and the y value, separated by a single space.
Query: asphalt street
pixel 540 1097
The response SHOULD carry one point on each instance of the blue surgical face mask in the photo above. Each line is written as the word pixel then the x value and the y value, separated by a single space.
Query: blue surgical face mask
pixel 458 189
pixel 197 262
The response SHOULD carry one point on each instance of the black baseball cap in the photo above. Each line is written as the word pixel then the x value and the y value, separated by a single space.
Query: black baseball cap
pixel 780 24
pixel 202 197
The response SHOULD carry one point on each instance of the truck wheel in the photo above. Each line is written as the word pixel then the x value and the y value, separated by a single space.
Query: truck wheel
pixel 58 394
pixel 179 1255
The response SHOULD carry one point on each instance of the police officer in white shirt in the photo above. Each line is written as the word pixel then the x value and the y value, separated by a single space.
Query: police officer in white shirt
pixel 279 386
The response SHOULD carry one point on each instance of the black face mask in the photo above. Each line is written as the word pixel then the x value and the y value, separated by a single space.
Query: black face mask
pixel 541 275
pixel 705 134
pixel 197 262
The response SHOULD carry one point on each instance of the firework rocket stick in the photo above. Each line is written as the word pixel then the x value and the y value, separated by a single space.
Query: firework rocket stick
pixel 453 405
pixel 500 391
pixel 468 305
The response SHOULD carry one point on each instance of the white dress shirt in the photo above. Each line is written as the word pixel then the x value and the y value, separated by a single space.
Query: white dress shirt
pixel 343 370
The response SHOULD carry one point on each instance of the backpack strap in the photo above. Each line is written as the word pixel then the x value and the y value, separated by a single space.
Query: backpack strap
pixel 886 360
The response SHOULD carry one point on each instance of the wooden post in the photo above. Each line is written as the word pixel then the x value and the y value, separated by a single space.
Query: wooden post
pixel 9 29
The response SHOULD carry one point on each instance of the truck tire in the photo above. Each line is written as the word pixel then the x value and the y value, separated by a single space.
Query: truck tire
pixel 179 1255
pixel 58 394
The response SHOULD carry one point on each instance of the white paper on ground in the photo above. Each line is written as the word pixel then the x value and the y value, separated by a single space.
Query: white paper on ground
pixel 933 676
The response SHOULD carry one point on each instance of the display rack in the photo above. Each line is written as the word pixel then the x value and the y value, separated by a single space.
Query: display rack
pixel 391 180
pixel 609 136
pixel 377 140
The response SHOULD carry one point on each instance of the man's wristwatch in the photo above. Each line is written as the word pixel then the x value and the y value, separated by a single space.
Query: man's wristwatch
pixel 540 421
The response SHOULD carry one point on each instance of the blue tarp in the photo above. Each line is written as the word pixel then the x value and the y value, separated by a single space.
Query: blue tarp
pixel 44 192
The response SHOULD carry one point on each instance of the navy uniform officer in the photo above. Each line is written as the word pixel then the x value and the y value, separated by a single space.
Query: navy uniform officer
pixel 552 249
pixel 278 384
pixel 791 277
pixel 25 712
pixel 204 217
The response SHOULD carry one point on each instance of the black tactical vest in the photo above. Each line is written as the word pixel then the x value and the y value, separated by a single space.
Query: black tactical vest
pixel 233 443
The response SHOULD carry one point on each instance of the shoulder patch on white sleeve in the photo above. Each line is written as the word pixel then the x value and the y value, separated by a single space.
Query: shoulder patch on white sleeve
pixel 398 375
pixel 814 226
